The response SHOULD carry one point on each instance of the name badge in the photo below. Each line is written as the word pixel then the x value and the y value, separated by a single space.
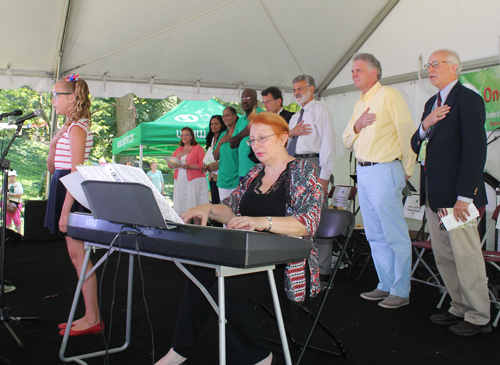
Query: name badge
pixel 423 149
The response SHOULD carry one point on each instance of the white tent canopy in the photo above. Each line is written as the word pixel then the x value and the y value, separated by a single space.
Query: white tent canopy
pixel 194 49
pixel 197 49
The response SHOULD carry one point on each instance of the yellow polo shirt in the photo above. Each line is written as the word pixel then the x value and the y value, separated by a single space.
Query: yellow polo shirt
pixel 388 138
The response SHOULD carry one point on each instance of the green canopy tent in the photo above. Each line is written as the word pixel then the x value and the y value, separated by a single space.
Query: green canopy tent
pixel 162 136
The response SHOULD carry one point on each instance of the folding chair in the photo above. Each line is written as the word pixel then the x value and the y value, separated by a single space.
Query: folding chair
pixel 334 223
pixel 350 198
pixel 492 259
pixel 420 248
pixel 491 224
pixel 358 245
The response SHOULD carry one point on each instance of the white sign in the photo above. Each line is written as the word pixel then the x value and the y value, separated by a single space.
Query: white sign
pixel 413 209
pixel 340 197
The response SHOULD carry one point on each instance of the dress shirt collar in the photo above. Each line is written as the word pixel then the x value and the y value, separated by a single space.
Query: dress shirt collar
pixel 309 105
pixel 280 111
pixel 445 91
pixel 366 97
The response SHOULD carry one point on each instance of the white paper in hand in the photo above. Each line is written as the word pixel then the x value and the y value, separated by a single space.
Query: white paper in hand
pixel 450 221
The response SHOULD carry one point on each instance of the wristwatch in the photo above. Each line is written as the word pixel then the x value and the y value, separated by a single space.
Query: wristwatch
pixel 270 224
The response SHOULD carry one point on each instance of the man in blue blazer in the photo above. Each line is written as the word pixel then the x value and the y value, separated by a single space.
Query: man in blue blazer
pixel 451 146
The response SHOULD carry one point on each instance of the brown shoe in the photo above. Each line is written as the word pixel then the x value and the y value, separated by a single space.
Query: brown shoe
pixel 445 319
pixel 376 294
pixel 465 328
pixel 394 302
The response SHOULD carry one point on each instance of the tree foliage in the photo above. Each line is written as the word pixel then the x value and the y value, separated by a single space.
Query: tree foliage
pixel 29 155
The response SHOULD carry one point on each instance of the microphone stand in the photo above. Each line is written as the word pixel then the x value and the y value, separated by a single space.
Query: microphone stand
pixel 5 317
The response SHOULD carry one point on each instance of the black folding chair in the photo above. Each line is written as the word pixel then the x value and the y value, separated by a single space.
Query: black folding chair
pixel 334 224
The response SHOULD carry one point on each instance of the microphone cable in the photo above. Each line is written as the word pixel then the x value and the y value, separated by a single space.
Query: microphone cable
pixel 145 301
pixel 118 236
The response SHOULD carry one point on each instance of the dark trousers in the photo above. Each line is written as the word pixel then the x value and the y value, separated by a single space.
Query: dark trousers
pixel 244 339
pixel 214 191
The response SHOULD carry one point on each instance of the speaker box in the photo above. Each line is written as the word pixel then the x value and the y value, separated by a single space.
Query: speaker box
pixel 34 218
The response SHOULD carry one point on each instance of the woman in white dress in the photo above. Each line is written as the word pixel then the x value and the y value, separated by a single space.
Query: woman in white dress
pixel 190 182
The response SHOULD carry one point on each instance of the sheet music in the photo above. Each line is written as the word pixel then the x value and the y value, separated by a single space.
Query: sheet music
pixel 73 183
pixel 94 173
pixel 117 172
pixel 135 174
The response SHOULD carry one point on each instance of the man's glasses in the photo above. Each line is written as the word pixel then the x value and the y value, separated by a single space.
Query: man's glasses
pixel 248 98
pixel 299 89
pixel 434 64
pixel 259 140
pixel 56 95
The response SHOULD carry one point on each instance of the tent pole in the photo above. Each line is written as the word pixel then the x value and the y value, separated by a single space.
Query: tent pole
pixel 53 122
pixel 141 155
pixel 356 45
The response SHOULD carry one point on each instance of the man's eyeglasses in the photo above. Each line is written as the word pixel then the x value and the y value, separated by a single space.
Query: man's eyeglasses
pixel 56 95
pixel 259 140
pixel 300 89
pixel 248 98
pixel 434 64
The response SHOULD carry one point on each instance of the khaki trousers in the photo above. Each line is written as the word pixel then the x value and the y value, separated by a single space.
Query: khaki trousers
pixel 460 262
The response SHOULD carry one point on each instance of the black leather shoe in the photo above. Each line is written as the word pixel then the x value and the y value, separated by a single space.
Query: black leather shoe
pixel 445 319
pixel 465 328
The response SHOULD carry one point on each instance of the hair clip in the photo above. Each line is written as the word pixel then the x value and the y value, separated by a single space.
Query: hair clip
pixel 72 78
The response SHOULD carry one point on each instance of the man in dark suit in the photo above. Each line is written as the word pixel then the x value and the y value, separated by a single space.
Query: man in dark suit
pixel 451 145
pixel 273 101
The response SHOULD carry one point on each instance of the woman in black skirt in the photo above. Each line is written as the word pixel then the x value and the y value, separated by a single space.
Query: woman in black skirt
pixel 71 147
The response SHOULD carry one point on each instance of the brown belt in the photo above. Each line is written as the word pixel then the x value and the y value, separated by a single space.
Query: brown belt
pixel 368 163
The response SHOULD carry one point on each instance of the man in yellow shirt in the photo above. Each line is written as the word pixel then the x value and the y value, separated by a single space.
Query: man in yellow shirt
pixel 379 132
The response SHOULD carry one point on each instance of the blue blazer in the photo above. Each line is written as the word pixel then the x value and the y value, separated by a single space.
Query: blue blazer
pixel 456 151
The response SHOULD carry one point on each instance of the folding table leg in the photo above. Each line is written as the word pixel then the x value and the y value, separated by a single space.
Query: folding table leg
pixel 222 324
pixel 279 318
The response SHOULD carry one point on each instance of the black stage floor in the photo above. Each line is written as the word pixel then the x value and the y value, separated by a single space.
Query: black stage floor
pixel 46 280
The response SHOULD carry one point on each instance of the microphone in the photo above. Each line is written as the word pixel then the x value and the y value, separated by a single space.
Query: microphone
pixel 15 113
pixel 36 113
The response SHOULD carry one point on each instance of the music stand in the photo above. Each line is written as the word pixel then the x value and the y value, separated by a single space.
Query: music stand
pixel 111 201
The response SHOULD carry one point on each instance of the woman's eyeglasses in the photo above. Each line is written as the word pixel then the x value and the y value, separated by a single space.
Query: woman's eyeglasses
pixel 259 140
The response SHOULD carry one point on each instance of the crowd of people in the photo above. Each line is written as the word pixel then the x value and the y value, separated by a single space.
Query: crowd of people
pixel 268 171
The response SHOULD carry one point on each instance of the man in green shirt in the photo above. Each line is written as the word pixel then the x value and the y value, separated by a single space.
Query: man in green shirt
pixel 241 132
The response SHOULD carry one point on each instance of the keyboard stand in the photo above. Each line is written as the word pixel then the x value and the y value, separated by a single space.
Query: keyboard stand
pixel 220 271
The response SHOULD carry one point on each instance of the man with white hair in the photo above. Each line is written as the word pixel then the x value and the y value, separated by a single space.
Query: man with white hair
pixel 379 132
pixel 313 139
pixel 311 130
pixel 451 146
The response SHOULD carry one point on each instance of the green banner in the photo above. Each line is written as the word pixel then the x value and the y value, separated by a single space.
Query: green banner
pixel 487 84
